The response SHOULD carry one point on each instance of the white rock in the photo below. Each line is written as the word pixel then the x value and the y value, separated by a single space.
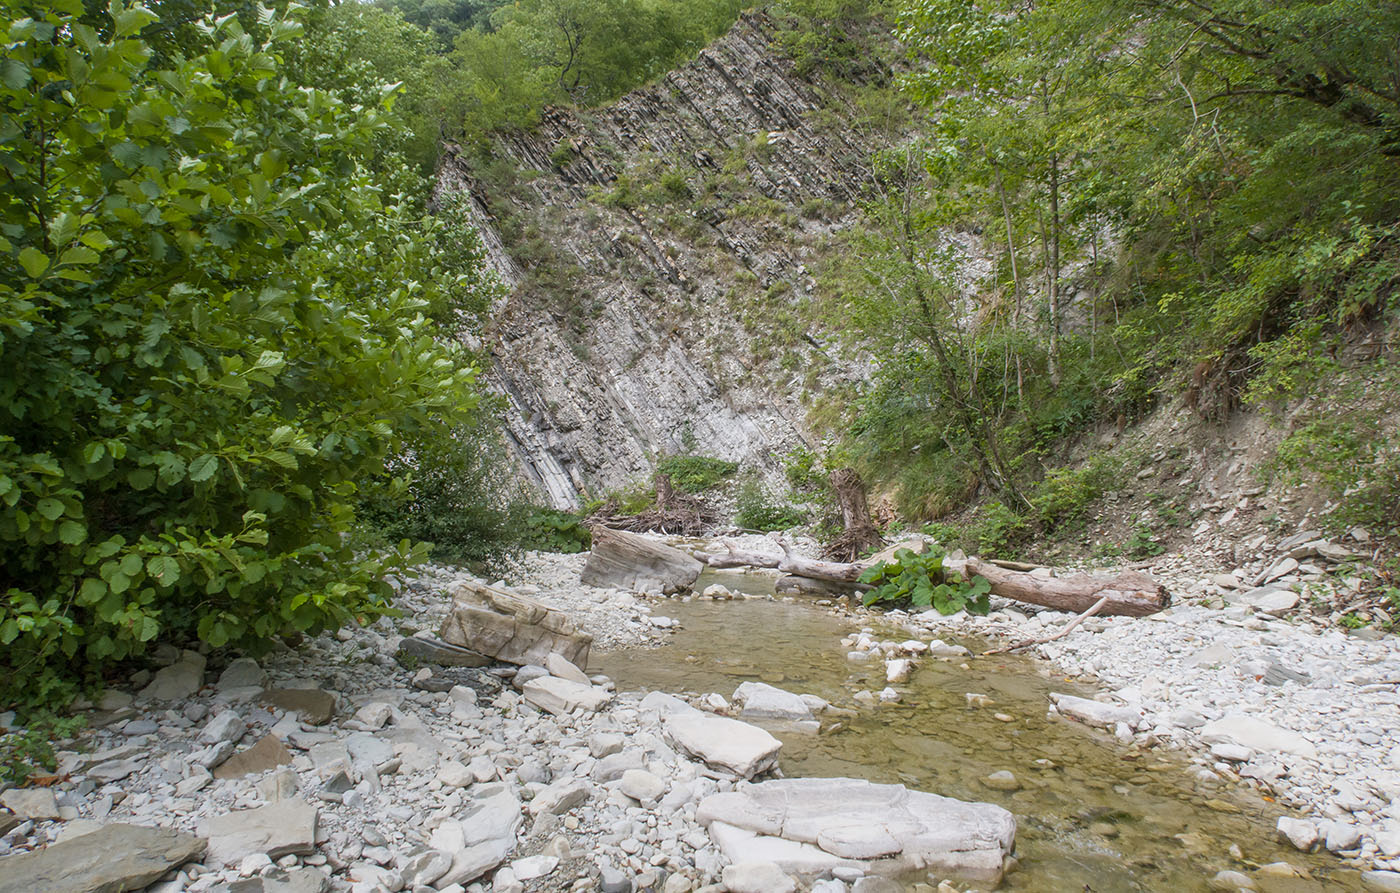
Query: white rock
pixel 743 749
pixel 899 669
pixel 179 680
pixel 274 830
pixel 762 701
pixel 1299 832
pixel 1235 753
pixel 1388 840
pixel 642 785
pixel 227 726
pixel 374 714
pixel 242 673
pixel 37 804
pixel 1278 602
pixel 757 877
pixel 532 867
pixel 561 796
pixel 559 696
pixel 1095 713
pixel 1256 734
pixel 1341 836
pixel 939 648
pixel 454 775
pixel 557 665
pixel 811 825
pixel 1381 881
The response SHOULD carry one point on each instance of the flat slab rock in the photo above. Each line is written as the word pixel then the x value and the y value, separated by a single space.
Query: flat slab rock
pixel 560 696
pixel 511 627
pixel 278 829
pixel 1256 734
pixel 743 749
pixel 112 859
pixel 813 825
pixel 622 560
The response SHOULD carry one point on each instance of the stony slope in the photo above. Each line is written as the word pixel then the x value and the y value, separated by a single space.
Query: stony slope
pixel 657 253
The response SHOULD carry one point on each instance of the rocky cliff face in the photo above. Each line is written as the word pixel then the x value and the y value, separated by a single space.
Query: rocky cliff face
pixel 657 253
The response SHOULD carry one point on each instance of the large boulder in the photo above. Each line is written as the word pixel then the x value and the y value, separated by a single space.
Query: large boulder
pixel 811 825
pixel 622 560
pixel 511 627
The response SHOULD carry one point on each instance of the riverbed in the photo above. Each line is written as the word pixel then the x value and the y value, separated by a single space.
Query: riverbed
pixel 1092 813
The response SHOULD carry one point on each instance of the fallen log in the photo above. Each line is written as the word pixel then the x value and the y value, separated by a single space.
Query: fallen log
pixel 1127 593
pixel 736 557
pixel 836 572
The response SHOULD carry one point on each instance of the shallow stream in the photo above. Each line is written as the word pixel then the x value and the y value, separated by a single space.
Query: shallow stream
pixel 1092 814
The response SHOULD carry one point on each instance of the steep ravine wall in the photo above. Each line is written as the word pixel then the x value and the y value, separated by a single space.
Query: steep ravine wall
pixel 657 254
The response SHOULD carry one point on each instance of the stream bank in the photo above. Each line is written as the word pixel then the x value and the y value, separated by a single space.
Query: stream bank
pixel 395 759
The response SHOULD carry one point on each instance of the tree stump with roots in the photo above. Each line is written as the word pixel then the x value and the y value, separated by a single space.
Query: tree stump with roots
pixel 859 534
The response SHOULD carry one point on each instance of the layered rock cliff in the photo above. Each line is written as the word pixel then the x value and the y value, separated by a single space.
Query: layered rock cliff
pixel 657 255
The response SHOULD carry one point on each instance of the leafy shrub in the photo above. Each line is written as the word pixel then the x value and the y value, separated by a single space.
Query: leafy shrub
pixel 695 474
pixel 1063 498
pixel 552 530
pixel 29 751
pixel 451 492
pixel 1354 458
pixel 1143 544
pixel 756 509
pixel 207 344
pixel 803 469
pixel 997 531
pixel 924 581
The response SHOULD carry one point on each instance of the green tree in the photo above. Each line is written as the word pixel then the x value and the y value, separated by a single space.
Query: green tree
pixel 212 330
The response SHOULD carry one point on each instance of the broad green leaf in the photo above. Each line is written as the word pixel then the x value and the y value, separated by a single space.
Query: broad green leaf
pixel 49 508
pixel 164 569
pixel 34 261
pixel 14 73
pixel 72 532
pixel 131 20
pixel 203 468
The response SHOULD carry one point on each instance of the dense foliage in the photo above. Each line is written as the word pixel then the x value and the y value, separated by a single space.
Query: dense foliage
pixel 696 474
pixel 469 68
pixel 214 331
pixel 1178 198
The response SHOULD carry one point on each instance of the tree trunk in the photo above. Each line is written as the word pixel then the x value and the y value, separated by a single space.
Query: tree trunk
pixel 859 534
pixel 665 492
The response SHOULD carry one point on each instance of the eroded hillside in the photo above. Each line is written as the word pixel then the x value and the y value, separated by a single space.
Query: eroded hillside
pixel 657 255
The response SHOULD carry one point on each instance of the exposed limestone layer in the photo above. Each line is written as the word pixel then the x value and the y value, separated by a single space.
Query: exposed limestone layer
pixel 638 329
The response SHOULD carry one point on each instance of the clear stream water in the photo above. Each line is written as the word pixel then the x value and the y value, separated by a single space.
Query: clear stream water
pixel 1092 815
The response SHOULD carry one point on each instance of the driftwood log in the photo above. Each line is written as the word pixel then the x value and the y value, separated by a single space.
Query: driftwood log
pixel 1127 593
